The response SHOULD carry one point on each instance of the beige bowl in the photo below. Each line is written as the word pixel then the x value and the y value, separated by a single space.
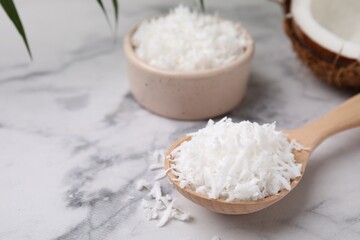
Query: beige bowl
pixel 189 95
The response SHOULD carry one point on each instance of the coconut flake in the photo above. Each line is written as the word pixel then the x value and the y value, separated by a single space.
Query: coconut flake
pixel 158 155
pixel 168 197
pixel 236 161
pixel 153 167
pixel 167 214
pixel 142 184
pixel 180 215
pixel 162 174
pixel 185 41
pixel 158 205
pixel 155 191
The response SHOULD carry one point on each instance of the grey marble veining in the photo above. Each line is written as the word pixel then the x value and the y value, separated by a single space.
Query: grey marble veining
pixel 73 141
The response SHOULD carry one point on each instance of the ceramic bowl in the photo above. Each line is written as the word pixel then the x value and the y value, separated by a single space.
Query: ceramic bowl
pixel 188 95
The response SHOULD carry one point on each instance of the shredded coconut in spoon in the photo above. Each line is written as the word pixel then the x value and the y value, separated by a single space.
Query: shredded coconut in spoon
pixel 186 41
pixel 236 161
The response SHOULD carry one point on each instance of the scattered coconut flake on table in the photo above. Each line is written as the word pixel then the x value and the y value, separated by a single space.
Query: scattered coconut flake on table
pixel 142 184
pixel 162 174
pixel 236 161
pixel 155 192
pixel 153 167
pixel 159 205
pixel 186 41
pixel 167 214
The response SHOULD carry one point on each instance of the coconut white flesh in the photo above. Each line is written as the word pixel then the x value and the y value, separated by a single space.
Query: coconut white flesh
pixel 333 24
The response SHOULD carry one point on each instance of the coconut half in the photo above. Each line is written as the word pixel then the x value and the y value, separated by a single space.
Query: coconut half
pixel 326 36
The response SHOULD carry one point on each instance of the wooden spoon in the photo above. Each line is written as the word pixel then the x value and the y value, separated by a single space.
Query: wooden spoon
pixel 344 117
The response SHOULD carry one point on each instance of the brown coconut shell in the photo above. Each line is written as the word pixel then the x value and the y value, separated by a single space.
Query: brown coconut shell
pixel 329 66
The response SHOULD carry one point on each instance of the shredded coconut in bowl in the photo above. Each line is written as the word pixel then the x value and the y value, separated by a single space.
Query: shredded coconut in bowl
pixel 236 161
pixel 186 40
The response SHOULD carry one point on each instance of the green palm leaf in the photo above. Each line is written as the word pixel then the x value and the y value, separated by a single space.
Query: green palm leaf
pixel 116 10
pixel 104 11
pixel 10 9
pixel 202 6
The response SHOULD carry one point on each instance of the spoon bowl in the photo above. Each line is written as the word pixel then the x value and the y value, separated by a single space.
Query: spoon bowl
pixel 344 117
pixel 233 207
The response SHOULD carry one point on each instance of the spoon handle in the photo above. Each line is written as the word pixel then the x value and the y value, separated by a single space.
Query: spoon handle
pixel 343 117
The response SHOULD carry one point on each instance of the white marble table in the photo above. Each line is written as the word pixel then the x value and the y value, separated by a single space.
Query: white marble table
pixel 73 141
